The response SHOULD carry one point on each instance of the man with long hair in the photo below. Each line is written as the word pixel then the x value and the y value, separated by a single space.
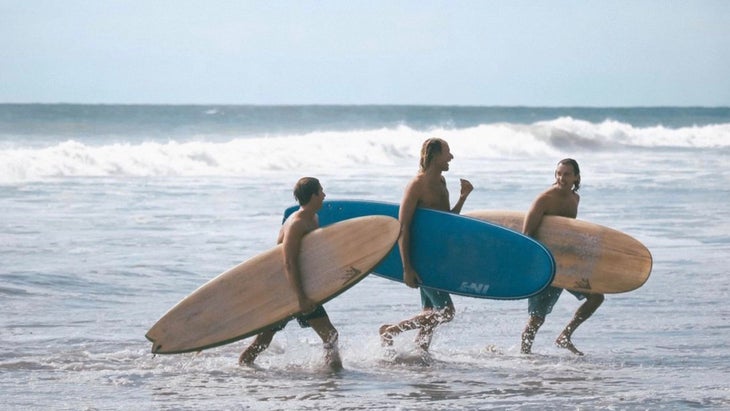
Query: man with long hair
pixel 428 190
pixel 560 199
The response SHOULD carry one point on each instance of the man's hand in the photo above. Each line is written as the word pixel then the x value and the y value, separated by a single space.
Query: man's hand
pixel 466 187
pixel 306 305
pixel 411 278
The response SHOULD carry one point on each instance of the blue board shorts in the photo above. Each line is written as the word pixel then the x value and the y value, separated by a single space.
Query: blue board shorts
pixel 303 319
pixel 541 304
pixel 435 299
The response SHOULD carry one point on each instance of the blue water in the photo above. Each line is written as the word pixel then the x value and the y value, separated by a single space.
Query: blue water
pixel 112 214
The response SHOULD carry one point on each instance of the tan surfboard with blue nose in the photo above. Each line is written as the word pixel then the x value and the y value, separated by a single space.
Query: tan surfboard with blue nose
pixel 256 294
pixel 589 257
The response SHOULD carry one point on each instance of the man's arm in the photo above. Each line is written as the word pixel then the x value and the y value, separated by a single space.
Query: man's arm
pixel 466 188
pixel 292 243
pixel 405 216
pixel 533 218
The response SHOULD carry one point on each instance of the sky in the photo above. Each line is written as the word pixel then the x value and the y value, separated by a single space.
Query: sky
pixel 469 53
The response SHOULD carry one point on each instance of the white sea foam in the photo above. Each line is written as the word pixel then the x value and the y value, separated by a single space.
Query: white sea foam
pixel 323 151
pixel 614 133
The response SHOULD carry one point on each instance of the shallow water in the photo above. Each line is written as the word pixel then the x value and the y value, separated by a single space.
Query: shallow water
pixel 90 262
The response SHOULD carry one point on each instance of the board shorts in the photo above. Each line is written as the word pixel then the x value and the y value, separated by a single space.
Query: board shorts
pixel 303 319
pixel 541 304
pixel 435 299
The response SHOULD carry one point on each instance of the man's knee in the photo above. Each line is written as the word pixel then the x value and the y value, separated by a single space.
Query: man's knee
pixel 595 299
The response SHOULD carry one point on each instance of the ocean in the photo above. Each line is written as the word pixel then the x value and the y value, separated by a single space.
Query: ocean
pixel 111 214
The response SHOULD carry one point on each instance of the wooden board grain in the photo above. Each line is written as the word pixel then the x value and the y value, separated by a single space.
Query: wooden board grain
pixel 589 257
pixel 256 294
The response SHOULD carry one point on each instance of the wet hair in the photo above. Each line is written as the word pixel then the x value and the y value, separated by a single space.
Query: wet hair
pixel 305 188
pixel 430 148
pixel 576 170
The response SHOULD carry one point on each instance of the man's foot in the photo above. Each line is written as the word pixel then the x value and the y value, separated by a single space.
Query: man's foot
pixel 249 355
pixel 246 359
pixel 564 342
pixel 423 338
pixel 526 349
pixel 425 356
pixel 526 344
pixel 332 359
pixel 412 357
pixel 386 337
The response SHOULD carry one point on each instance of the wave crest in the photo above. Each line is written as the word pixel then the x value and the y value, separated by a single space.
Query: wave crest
pixel 331 151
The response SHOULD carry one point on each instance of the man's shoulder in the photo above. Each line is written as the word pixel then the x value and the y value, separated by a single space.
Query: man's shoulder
pixel 550 199
pixel 300 225
pixel 425 179
pixel 295 220
pixel 418 178
pixel 416 184
pixel 547 195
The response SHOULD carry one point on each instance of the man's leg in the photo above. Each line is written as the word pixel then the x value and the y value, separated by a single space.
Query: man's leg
pixel 435 318
pixel 388 331
pixel 327 332
pixel 528 335
pixel 593 301
pixel 259 344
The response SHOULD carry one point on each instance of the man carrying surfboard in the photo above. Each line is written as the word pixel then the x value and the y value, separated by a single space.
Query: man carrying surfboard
pixel 561 199
pixel 310 195
pixel 428 190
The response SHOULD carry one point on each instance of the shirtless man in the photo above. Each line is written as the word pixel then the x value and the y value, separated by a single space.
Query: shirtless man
pixel 428 190
pixel 562 200
pixel 308 192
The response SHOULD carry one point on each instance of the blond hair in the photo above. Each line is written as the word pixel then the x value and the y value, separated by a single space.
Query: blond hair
pixel 430 148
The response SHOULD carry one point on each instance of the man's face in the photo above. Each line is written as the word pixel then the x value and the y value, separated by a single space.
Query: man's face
pixel 443 158
pixel 565 177
pixel 319 197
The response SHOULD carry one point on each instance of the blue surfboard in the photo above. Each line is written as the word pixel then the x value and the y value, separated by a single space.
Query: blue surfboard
pixel 457 254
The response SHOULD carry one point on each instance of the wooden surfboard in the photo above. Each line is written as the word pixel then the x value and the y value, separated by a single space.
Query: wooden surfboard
pixel 256 294
pixel 457 254
pixel 590 258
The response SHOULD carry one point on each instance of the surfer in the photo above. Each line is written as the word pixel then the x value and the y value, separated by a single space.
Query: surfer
pixel 561 199
pixel 428 190
pixel 310 195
